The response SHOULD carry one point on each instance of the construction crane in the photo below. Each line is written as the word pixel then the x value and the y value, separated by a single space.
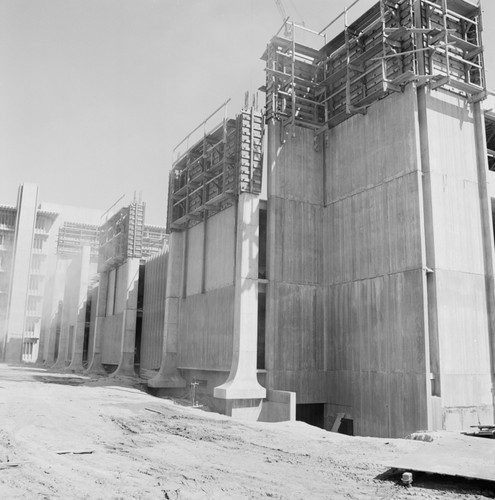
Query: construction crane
pixel 283 12
pixel 281 9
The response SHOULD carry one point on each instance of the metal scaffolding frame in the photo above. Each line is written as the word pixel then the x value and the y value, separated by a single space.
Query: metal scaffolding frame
pixel 210 174
pixel 434 42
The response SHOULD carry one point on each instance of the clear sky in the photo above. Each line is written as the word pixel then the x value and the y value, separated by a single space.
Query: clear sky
pixel 95 94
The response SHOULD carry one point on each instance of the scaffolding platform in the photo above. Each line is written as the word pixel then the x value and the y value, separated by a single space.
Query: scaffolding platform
pixel 430 42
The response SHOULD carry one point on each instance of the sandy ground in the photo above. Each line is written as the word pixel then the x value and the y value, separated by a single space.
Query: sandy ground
pixel 69 437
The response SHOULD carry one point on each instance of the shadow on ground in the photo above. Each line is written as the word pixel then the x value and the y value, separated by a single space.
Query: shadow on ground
pixel 438 482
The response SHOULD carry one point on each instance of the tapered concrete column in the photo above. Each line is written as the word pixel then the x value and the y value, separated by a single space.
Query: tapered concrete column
pixel 56 318
pixel 83 266
pixel 63 344
pixel 27 201
pixel 242 382
pixel 56 309
pixel 486 228
pixel 95 365
pixel 168 376
pixel 128 338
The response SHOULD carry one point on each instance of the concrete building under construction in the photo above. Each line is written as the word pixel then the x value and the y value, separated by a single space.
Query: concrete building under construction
pixel 54 260
pixel 37 242
pixel 362 284
pixel 125 244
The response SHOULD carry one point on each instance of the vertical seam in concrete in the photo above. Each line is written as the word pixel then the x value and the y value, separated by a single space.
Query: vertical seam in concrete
pixel 184 263
pixel 203 267
pixel 487 228
pixel 432 347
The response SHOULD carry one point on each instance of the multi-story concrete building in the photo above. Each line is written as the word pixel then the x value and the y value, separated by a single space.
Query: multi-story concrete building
pixel 364 283
pixel 32 241
pixel 50 257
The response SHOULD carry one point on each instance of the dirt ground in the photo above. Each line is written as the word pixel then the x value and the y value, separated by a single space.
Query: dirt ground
pixel 64 436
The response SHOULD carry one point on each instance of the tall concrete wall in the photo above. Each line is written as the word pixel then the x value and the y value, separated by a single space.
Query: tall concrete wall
pixel 72 327
pixel 206 319
pixel 155 284
pixel 118 326
pixel 378 267
pixel 456 256
pixel 294 303
pixel 375 324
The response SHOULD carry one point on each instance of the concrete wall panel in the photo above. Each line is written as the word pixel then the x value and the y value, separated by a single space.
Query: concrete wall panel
pixel 457 224
pixel 294 168
pixel 372 148
pixel 374 232
pixel 220 249
pixel 111 328
pixel 194 263
pixel 458 259
pixel 155 282
pixel 206 329
pixel 375 334
pixel 464 345
pixel 297 230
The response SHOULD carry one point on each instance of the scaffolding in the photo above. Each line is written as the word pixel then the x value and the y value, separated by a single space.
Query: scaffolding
pixel 74 235
pixel 431 42
pixel 121 237
pixel 155 240
pixel 224 162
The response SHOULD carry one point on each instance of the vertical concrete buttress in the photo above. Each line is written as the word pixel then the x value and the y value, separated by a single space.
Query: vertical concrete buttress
pixel 168 376
pixel 129 318
pixel 96 364
pixel 80 312
pixel 27 202
pixel 242 383
pixel 487 229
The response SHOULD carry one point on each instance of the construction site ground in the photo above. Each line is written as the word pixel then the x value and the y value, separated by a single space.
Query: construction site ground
pixel 64 436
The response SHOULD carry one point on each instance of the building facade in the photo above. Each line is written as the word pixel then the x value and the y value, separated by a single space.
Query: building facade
pixel 125 244
pixel 29 252
pixel 364 284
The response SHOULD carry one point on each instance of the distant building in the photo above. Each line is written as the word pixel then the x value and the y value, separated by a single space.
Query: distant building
pixel 49 258
pixel 32 236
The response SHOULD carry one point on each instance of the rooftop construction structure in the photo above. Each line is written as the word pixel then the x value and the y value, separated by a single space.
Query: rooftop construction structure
pixel 393 44
pixel 377 306
pixel 125 242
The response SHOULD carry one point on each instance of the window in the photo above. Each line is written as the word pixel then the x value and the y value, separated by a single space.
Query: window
pixel 34 283
pixel 32 305
pixel 7 219
pixel 30 326
pixel 38 243
pixel 40 223
pixel 36 263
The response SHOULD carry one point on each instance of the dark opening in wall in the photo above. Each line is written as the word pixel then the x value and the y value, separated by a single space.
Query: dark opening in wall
pixel 262 245
pixel 86 328
pixel 260 363
pixel 139 318
pixel 58 323
pixel 490 141
pixel 71 342
pixel 312 414
pixel 346 427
